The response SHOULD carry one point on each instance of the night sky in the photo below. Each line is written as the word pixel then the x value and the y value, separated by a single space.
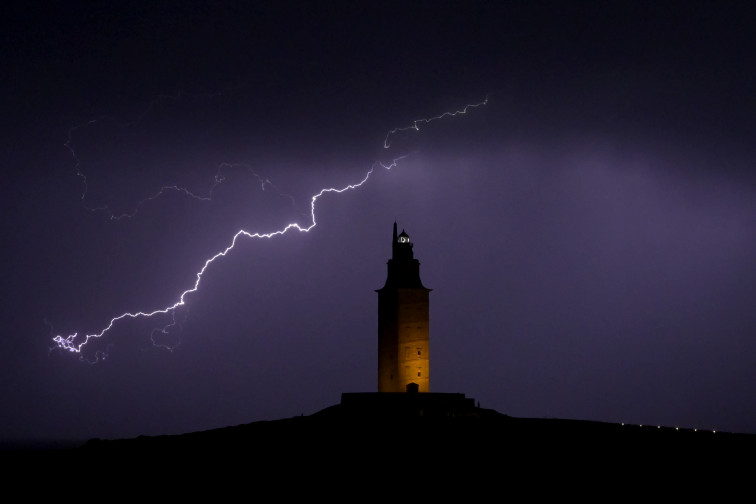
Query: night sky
pixel 589 233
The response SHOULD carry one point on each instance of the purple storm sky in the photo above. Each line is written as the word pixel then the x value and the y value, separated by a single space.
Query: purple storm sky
pixel 589 234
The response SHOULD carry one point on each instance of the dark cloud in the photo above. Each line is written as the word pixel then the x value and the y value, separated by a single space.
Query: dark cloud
pixel 588 234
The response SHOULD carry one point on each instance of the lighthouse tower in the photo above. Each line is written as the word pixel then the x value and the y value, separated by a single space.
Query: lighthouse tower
pixel 403 341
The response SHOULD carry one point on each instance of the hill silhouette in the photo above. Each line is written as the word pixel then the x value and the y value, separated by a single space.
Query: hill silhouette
pixel 388 443
pixel 439 426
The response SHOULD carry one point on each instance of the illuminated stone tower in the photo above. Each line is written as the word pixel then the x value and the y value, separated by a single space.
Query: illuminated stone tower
pixel 403 341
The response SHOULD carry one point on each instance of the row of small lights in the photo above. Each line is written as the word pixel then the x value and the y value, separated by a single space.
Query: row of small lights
pixel 676 428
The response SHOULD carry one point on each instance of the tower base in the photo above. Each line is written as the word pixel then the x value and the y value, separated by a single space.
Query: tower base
pixel 403 404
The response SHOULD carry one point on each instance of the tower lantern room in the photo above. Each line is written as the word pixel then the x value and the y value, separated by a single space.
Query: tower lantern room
pixel 403 337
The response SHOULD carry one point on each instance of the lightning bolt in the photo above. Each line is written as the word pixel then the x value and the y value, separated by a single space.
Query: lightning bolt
pixel 417 122
pixel 75 343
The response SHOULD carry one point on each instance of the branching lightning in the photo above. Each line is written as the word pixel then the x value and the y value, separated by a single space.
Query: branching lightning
pixel 417 122
pixel 69 342
pixel 75 343
pixel 217 180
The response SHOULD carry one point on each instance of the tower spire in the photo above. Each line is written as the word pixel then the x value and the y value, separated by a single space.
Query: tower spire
pixel 393 242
